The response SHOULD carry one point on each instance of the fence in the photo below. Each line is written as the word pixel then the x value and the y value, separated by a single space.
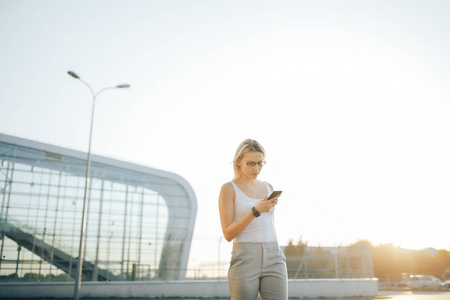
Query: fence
pixel 309 263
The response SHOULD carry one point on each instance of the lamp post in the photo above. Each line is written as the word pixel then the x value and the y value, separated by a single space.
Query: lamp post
pixel 88 167
pixel 218 258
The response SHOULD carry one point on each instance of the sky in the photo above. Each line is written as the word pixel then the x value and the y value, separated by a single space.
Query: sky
pixel 350 99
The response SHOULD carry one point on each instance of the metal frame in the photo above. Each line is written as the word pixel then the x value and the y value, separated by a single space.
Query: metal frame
pixel 172 187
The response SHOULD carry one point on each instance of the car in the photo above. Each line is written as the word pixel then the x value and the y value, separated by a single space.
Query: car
pixel 424 282
pixel 446 284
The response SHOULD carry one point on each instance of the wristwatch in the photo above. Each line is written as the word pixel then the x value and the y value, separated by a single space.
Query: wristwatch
pixel 255 212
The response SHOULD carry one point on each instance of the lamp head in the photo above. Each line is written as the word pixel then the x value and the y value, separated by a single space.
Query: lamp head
pixel 73 75
pixel 123 86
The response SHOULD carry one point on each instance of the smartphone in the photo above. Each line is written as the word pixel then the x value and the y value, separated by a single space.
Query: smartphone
pixel 274 194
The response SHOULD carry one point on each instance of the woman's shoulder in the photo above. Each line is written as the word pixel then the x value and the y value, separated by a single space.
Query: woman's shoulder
pixel 227 186
pixel 227 190
pixel 267 184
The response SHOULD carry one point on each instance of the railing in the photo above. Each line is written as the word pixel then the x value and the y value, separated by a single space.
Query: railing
pixel 326 263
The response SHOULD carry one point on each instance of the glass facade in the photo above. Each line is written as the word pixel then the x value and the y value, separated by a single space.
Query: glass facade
pixel 139 220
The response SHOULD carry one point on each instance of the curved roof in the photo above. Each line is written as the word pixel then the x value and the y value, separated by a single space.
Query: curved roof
pixel 176 191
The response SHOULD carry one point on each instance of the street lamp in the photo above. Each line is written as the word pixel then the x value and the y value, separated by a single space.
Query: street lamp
pixel 88 167
pixel 218 258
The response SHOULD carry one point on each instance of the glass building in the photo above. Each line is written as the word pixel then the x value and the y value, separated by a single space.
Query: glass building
pixel 139 226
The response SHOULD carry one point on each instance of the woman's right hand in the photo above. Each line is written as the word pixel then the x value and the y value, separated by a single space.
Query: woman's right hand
pixel 265 205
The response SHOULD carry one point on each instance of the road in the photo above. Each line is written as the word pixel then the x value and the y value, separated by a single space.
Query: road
pixel 413 295
pixel 391 295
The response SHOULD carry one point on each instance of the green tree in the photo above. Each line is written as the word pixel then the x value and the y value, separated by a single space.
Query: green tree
pixel 294 255
pixel 394 263
pixel 387 262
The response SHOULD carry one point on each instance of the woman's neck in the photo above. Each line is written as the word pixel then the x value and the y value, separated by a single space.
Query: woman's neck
pixel 246 181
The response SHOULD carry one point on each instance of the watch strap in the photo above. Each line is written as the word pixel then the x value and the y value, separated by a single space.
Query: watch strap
pixel 256 213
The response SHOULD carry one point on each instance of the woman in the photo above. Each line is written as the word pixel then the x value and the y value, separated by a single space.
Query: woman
pixel 257 263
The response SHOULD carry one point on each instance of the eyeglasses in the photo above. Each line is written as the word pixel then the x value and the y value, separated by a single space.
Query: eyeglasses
pixel 252 163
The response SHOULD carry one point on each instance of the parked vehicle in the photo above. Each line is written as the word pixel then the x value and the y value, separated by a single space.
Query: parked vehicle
pixel 424 282
pixel 446 284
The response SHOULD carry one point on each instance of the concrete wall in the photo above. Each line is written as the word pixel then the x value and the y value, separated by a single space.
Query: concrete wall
pixel 312 288
pixel 185 288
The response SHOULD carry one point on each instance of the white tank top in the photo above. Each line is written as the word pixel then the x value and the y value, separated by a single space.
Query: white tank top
pixel 261 229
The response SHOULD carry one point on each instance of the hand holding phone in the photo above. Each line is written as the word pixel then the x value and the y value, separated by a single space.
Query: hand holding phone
pixel 274 194
pixel 267 204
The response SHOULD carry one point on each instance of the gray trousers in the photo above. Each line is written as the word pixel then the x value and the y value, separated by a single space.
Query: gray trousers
pixel 257 267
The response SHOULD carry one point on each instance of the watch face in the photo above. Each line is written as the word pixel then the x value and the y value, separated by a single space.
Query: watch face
pixel 255 212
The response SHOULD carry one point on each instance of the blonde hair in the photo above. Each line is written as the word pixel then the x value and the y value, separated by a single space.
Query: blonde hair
pixel 245 147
